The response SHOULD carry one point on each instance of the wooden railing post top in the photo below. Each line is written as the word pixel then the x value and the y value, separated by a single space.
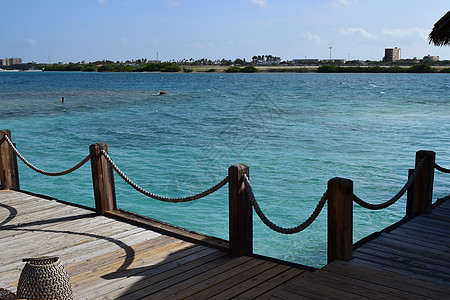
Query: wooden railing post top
pixel 100 146
pixel 340 181
pixel 4 132
pixel 239 167
pixel 425 153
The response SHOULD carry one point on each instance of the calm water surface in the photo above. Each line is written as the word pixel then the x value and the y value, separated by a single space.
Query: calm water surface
pixel 295 131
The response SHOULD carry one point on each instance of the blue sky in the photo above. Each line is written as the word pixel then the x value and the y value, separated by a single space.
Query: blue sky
pixel 72 31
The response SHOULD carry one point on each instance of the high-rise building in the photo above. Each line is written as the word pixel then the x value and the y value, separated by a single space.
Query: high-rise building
pixel 10 61
pixel 392 54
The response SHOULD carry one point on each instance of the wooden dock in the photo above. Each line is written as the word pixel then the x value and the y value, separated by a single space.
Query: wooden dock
pixel 111 259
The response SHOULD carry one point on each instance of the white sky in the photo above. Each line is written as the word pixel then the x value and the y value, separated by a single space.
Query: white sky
pixel 76 30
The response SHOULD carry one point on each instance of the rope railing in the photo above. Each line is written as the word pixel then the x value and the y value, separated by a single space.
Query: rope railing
pixel 27 163
pixel 442 169
pixel 158 197
pixel 397 196
pixel 272 225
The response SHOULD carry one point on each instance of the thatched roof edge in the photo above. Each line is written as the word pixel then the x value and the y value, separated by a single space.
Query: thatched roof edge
pixel 440 35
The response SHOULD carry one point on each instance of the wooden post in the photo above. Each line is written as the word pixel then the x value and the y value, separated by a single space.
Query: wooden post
pixel 240 212
pixel 9 174
pixel 410 195
pixel 340 219
pixel 423 185
pixel 102 179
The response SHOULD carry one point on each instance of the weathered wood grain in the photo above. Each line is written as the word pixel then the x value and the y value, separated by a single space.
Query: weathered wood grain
pixel 111 259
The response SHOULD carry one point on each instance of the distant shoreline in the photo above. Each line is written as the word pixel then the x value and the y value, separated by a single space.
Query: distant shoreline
pixel 323 69
pixel 416 68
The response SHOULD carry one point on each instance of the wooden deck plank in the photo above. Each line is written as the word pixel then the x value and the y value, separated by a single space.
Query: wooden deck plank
pixel 425 227
pixel 307 288
pixel 200 275
pixel 99 286
pixel 214 278
pixel 283 295
pixel 27 233
pixel 417 249
pixel 370 288
pixel 110 259
pixel 398 268
pixel 386 279
pixel 425 220
pixel 151 267
pixel 69 241
pixel 162 284
pixel 254 281
pixel 62 250
pixel 231 282
pixel 413 242
pixel 344 286
pixel 424 235
pixel 403 264
pixel 405 256
pixel 114 257
pixel 264 289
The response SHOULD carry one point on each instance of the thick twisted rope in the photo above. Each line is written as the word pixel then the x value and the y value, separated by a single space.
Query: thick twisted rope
pixel 275 227
pixel 162 198
pixel 397 196
pixel 442 169
pixel 26 162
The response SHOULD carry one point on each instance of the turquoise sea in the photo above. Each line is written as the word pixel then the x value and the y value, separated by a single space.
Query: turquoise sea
pixel 295 131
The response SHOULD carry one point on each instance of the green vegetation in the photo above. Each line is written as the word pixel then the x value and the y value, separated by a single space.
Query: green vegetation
pixel 249 69
pixel 242 66
pixel 235 69
pixel 419 68
pixel 114 67
pixel 159 67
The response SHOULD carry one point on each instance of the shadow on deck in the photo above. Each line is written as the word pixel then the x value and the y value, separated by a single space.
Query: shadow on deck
pixel 109 259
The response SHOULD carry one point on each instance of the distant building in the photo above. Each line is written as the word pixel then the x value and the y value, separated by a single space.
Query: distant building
pixel 315 61
pixel 10 61
pixel 266 60
pixel 333 60
pixel 304 61
pixel 392 54
pixel 431 58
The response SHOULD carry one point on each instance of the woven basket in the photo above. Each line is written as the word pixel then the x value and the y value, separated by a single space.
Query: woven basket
pixel 44 278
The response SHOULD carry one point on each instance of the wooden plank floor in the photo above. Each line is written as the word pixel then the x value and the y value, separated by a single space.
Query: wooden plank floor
pixel 419 249
pixel 109 259
pixel 409 262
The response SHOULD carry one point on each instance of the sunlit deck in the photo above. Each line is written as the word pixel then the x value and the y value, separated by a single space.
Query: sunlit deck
pixel 111 259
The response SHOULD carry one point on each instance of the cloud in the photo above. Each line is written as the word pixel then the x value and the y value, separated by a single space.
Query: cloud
pixel 357 31
pixel 314 38
pixel 260 3
pixel 173 3
pixel 102 2
pixel 345 2
pixel 31 42
pixel 399 33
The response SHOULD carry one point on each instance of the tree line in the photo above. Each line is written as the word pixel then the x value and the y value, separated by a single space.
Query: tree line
pixel 114 67
pixel 419 68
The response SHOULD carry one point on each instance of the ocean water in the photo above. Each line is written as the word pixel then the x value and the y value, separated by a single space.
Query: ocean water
pixel 295 131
